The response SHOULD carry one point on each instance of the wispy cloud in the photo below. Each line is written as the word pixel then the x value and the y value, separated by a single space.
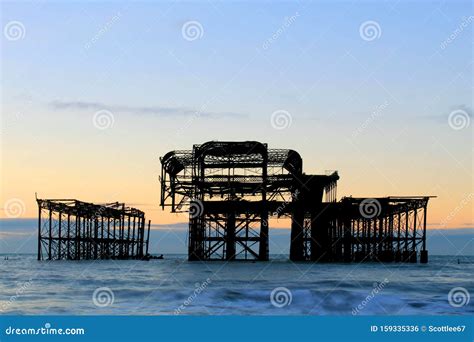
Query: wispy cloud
pixel 140 110
pixel 12 235
pixel 441 118
pixel 170 226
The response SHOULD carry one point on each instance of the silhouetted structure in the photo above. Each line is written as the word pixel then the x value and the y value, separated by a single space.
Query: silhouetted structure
pixel 231 189
pixel 75 230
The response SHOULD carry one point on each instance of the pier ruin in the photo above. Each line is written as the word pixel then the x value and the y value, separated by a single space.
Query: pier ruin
pixel 232 189
pixel 69 229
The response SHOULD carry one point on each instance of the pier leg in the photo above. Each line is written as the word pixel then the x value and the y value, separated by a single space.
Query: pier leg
pixel 424 257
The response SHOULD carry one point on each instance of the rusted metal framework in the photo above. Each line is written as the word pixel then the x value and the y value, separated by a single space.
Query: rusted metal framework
pixel 74 230
pixel 231 189
pixel 366 229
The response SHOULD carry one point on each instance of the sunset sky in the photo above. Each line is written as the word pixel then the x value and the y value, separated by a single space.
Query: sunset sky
pixel 94 93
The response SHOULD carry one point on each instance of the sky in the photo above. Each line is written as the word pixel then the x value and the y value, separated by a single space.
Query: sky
pixel 93 93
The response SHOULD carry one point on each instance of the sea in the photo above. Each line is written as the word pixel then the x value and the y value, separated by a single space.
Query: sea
pixel 175 286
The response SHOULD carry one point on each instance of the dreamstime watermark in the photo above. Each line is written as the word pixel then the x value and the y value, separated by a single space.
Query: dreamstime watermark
pixel 375 114
pixel 46 330
pixel 103 119
pixel 465 201
pixel 377 287
pixel 370 30
pixel 280 297
pixel 458 297
pixel 281 119
pixel 287 22
pixel 18 293
pixel 370 208
pixel 196 208
pixel 281 208
pixel 104 29
pixel 99 212
pixel 196 115
pixel 192 30
pixel 11 120
pixel 14 30
pixel 459 119
pixel 103 296
pixel 14 208
pixel 199 288
pixel 464 23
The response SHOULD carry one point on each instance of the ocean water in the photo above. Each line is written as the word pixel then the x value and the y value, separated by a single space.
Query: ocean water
pixel 278 287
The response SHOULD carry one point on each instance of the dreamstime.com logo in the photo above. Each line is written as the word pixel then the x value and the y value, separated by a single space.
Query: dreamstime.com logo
pixel 281 119
pixel 14 30
pixel 103 119
pixel 196 208
pixel 102 297
pixel 199 288
pixel 288 21
pixel 370 208
pixel 461 27
pixel 458 297
pixel 459 119
pixel 370 30
pixel 104 29
pixel 375 114
pixel 46 330
pixel 378 287
pixel 280 297
pixel 192 30
pixel 281 208
pixel 14 208
pixel 18 293
pixel 464 202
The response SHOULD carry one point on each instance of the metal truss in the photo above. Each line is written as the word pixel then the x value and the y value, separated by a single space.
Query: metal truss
pixel 232 189
pixel 74 230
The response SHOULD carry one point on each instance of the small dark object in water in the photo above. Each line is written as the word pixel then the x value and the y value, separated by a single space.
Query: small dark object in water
pixel 459 261
pixel 149 256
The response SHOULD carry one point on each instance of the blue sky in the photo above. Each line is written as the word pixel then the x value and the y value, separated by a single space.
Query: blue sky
pixel 377 110
pixel 142 59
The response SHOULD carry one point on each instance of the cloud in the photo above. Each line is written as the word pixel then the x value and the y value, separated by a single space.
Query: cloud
pixel 171 226
pixel 140 110
pixel 441 118
pixel 7 235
